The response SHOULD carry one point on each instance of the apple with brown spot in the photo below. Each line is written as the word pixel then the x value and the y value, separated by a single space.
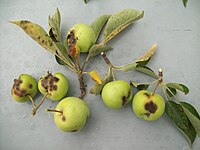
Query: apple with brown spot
pixel 117 94
pixel 148 106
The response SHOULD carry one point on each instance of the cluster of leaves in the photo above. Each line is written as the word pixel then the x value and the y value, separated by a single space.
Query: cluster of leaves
pixel 183 114
pixel 52 41
pixel 138 65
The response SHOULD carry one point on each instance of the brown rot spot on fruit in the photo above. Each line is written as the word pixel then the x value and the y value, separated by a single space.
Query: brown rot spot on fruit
pixel 20 81
pixel 16 88
pixel 23 92
pixel 48 82
pixel 129 94
pixel 55 79
pixel 74 130
pixel 30 86
pixel 147 94
pixel 124 100
pixel 54 87
pixel 63 118
pixel 147 114
pixel 151 107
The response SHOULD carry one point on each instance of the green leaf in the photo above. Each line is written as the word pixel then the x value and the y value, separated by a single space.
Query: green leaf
pixel 172 90
pixel 62 51
pixel 190 108
pixel 98 24
pixel 179 87
pixel 189 133
pixel 185 2
pixel 97 88
pixel 37 33
pixel 146 70
pixel 140 86
pixel 120 21
pixel 177 115
pixel 128 67
pixel 192 115
pixel 97 49
pixel 59 61
pixel 139 65
pixel 56 18
pixel 54 26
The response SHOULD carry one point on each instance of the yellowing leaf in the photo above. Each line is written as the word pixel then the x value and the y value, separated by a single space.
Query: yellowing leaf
pixel 148 54
pixel 95 76
pixel 37 33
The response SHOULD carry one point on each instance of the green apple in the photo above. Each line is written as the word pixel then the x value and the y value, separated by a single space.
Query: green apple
pixel 84 36
pixel 56 86
pixel 24 87
pixel 116 94
pixel 148 106
pixel 71 114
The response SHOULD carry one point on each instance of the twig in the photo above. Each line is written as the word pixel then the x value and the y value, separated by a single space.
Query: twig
pixel 36 108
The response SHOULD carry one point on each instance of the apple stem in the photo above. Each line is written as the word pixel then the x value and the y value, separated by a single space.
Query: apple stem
pixel 155 88
pixel 106 59
pixel 160 79
pixel 109 64
pixel 164 92
pixel 113 75
pixel 54 110
pixel 34 105
pixel 36 108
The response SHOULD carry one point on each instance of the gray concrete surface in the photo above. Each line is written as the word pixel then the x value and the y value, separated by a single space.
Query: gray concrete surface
pixel 174 28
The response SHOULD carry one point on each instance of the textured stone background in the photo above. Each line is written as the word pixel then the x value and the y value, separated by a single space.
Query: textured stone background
pixel 174 28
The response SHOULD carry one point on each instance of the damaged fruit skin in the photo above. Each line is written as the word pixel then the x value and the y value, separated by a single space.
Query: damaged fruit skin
pixel 23 86
pixel 74 114
pixel 84 36
pixel 55 85
pixel 117 94
pixel 147 106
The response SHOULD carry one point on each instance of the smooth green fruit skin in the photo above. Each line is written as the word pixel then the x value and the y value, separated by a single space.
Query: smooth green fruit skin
pixel 85 36
pixel 26 81
pixel 113 93
pixel 75 112
pixel 61 91
pixel 139 101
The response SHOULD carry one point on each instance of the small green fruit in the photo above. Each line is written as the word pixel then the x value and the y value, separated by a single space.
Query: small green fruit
pixel 84 36
pixel 73 116
pixel 23 87
pixel 117 94
pixel 148 106
pixel 56 86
